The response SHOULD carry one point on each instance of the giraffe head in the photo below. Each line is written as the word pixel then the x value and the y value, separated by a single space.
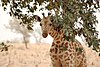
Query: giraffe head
pixel 45 24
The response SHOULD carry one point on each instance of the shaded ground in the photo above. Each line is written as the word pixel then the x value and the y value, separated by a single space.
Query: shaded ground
pixel 37 56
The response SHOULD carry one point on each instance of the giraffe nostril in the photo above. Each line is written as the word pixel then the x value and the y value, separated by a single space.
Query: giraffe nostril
pixel 44 35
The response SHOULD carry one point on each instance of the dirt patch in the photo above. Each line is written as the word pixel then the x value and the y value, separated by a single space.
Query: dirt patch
pixel 37 56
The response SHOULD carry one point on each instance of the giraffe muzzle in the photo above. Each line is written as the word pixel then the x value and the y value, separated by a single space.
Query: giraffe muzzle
pixel 44 35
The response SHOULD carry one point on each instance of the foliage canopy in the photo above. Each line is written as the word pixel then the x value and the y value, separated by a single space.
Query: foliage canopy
pixel 75 16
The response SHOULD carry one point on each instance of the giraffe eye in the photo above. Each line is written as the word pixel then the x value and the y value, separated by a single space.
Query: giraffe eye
pixel 52 20
pixel 50 24
pixel 40 24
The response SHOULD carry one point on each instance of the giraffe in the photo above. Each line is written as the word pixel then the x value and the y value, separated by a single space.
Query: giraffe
pixel 63 53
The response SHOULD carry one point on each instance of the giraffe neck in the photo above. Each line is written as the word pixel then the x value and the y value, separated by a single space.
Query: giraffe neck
pixel 57 35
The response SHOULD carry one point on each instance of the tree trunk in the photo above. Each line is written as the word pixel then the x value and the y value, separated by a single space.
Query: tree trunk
pixel 25 42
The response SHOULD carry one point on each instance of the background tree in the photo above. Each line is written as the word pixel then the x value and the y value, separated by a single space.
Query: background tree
pixel 15 26
pixel 37 33
pixel 68 13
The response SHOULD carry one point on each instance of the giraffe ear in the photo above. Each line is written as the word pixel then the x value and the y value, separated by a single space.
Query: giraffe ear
pixel 37 18
pixel 52 18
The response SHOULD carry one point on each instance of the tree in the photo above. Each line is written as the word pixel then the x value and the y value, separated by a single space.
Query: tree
pixel 37 33
pixel 68 13
pixel 15 25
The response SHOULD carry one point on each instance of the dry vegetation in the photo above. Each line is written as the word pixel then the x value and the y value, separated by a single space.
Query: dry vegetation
pixel 37 56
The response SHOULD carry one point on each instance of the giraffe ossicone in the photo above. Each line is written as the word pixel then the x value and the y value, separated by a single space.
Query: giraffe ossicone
pixel 63 53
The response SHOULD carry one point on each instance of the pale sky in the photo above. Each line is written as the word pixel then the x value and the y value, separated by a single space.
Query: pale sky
pixel 6 34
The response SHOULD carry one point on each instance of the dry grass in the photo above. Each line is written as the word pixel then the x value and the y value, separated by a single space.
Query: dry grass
pixel 37 56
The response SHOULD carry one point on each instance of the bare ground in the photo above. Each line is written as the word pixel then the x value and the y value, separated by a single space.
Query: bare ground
pixel 37 56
